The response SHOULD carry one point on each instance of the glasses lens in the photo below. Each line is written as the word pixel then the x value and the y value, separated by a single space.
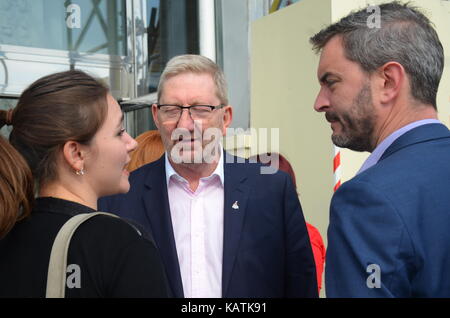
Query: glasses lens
pixel 200 112
pixel 170 112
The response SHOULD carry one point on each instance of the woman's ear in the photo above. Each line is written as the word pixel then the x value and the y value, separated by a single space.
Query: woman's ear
pixel 74 155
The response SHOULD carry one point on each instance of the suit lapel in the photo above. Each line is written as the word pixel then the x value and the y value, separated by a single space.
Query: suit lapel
pixel 158 212
pixel 417 135
pixel 235 205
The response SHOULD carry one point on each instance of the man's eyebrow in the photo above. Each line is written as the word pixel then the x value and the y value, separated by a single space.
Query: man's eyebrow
pixel 198 102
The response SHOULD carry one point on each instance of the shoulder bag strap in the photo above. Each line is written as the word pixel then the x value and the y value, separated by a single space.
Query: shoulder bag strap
pixel 56 277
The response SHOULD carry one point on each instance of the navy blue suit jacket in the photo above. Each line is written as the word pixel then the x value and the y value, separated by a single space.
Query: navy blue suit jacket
pixel 266 248
pixel 395 215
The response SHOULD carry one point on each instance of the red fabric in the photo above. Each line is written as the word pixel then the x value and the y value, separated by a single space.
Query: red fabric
pixel 318 249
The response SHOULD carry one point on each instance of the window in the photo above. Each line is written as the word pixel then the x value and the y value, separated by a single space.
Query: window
pixel 39 37
pixel 127 43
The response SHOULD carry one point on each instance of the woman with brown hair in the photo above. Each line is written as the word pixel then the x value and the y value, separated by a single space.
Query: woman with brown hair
pixel 16 187
pixel 69 130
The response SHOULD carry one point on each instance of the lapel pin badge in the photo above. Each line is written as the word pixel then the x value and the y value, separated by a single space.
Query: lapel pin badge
pixel 235 206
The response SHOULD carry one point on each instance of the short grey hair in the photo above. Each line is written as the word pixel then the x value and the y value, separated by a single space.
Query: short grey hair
pixel 405 36
pixel 196 64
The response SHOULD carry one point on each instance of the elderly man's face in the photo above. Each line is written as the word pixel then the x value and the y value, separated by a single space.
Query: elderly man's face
pixel 187 140
pixel 345 97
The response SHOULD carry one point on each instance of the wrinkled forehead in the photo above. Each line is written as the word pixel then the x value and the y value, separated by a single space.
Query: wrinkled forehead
pixel 189 85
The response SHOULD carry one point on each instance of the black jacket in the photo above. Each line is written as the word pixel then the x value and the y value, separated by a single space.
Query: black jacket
pixel 107 257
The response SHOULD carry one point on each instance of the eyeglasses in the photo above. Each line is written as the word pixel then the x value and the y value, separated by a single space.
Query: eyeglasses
pixel 197 112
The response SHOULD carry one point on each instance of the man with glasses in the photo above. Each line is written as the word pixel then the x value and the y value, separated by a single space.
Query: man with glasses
pixel 221 229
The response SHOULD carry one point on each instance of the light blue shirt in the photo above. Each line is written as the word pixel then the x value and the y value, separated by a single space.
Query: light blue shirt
pixel 381 148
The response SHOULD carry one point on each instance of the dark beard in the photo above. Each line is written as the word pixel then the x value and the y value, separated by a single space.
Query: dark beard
pixel 360 123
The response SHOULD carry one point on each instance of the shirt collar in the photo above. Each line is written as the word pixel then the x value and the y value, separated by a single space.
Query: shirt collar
pixel 170 171
pixel 381 148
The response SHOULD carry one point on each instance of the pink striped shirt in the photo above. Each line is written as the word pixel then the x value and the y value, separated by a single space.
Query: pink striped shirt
pixel 197 219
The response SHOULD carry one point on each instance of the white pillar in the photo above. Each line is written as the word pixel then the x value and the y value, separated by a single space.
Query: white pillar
pixel 207 28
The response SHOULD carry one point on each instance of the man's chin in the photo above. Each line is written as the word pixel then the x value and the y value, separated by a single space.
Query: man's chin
pixel 340 141
pixel 186 157
pixel 355 144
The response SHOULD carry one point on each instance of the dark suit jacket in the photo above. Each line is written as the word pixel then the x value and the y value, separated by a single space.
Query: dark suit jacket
pixel 266 249
pixel 396 215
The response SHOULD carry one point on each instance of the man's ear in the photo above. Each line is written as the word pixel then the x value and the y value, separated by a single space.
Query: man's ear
pixel 227 118
pixel 74 155
pixel 392 80
pixel 155 115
